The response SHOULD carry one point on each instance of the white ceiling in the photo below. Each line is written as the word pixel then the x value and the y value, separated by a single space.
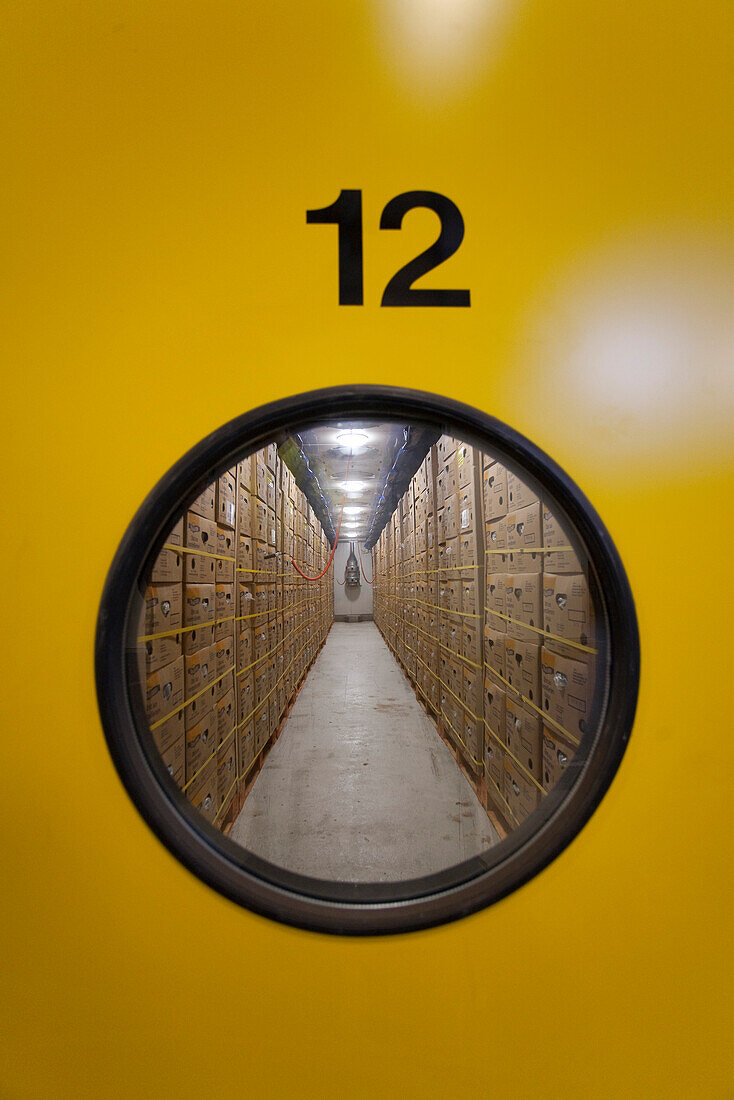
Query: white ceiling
pixel 369 466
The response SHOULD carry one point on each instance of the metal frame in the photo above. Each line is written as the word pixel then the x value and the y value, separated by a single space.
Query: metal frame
pixel 363 908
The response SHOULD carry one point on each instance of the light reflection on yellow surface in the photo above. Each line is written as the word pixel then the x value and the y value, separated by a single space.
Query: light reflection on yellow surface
pixel 438 46
pixel 637 345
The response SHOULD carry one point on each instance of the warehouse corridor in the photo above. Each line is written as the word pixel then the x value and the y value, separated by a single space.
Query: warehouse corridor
pixel 359 786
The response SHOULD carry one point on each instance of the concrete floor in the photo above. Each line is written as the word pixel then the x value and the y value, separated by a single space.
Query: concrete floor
pixel 360 787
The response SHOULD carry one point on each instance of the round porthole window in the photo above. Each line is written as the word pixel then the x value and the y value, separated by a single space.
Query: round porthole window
pixel 367 660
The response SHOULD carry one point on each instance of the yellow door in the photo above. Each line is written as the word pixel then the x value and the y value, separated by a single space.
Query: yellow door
pixel 160 278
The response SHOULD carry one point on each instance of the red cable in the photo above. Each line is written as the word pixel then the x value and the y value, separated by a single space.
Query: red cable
pixel 361 566
pixel 336 539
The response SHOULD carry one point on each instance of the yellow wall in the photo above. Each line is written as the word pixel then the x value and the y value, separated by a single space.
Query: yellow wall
pixel 157 163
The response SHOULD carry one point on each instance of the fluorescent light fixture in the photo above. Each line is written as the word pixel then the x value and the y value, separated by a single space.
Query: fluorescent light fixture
pixel 353 510
pixel 353 487
pixel 352 440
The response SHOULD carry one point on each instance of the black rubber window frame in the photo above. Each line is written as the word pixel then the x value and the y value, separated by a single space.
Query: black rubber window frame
pixel 362 908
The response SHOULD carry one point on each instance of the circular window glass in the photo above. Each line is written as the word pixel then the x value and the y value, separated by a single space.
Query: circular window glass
pixel 367 660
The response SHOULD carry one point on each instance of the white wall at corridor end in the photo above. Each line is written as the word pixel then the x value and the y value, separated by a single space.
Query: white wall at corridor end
pixel 352 601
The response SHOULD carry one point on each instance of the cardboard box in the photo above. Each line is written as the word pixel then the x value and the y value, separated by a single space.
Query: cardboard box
pixel 568 688
pixel 525 539
pixel 245 598
pixel 226 770
pixel 494 490
pixel 168 566
pixel 471 693
pixel 495 708
pixel 558 754
pixel 199 569
pixel 226 712
pixel 224 654
pixel 496 602
pixel 524 604
pixel 245 694
pixel 200 533
pixel 226 498
pixel 520 792
pixel 171 732
pixel 567 608
pixel 246 474
pixel 260 487
pixel 161 651
pixel 445 447
pixel 259 520
pixel 205 504
pixel 523 735
pixel 471 640
pixel 224 605
pixel 519 493
pixel 451 516
pixel 555 534
pixel 199 670
pixel 162 609
pixel 226 551
pixel 199 604
pixel 494 649
pixel 473 735
pixel 201 741
pixel 261 723
pixel 470 552
pixel 196 708
pixel 465 464
pixel 174 760
pixel 469 511
pixel 164 690
pixel 245 749
pixel 523 668
pixel 495 545
pixel 198 638
pixel 223 683
pixel 470 604
pixel 203 794
pixel 494 766
pixel 244 511
pixel 270 489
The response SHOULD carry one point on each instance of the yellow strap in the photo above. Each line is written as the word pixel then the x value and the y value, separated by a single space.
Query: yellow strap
pixel 448 649
pixel 224 800
pixel 460 702
pixel 191 700
pixel 435 606
pixel 478 763
pixel 198 553
pixel 512 756
pixel 507 804
pixel 528 702
pixel 183 629
pixel 545 633
pixel 208 759
pixel 269 653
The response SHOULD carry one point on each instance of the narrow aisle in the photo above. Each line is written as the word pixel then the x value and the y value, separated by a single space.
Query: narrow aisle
pixel 359 786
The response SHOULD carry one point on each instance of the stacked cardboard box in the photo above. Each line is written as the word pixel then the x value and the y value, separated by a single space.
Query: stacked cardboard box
pixel 428 599
pixel 230 628
pixel 488 610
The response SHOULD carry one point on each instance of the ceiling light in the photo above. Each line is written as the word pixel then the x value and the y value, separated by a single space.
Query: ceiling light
pixel 353 510
pixel 353 487
pixel 352 440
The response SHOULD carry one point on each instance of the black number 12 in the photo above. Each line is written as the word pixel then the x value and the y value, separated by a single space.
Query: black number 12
pixel 346 212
